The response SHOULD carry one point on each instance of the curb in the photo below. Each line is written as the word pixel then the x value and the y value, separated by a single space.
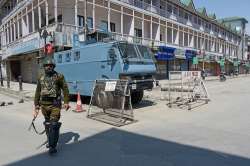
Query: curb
pixel 15 94
pixel 228 77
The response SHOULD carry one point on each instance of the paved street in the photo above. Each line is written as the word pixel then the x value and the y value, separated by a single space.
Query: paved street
pixel 216 134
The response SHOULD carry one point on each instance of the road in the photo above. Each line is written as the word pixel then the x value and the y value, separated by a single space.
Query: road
pixel 214 134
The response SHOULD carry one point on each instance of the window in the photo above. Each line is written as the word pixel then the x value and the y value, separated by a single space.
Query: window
pixel 169 8
pixel 199 21
pixel 80 21
pixel 190 17
pixel 186 16
pixel 77 56
pixel 186 39
pixel 181 14
pixel 90 22
pixel 207 25
pixel 195 20
pixel 104 26
pixel 138 32
pixel 59 18
pixel 181 38
pixel 195 42
pixel 175 10
pixel 59 58
pixel 144 52
pixel 127 50
pixel 169 35
pixel 68 57
pixel 112 27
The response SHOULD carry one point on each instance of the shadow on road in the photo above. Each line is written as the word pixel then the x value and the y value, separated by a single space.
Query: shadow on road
pixel 144 103
pixel 120 148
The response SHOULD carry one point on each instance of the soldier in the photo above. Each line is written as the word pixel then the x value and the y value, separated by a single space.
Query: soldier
pixel 48 98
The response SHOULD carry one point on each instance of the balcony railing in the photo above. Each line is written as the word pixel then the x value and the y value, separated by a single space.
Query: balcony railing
pixel 16 8
pixel 163 12
pixel 138 3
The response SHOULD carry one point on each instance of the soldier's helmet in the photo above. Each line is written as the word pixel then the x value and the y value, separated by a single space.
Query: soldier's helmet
pixel 49 61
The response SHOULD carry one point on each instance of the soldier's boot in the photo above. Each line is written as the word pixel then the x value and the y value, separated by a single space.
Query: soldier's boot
pixel 53 136
pixel 47 127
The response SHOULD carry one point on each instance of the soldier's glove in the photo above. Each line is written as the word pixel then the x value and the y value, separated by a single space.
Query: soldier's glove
pixel 66 107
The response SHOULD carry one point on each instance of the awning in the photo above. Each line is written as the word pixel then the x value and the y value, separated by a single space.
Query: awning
pixel 236 63
pixel 212 57
pixel 165 53
pixel 189 54
pixel 180 53
pixel 230 60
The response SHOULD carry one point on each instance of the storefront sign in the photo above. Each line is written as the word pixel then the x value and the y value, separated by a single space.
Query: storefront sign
pixel 165 53
pixel 236 63
pixel 22 47
pixel 189 54
pixel 222 62
pixel 195 61
pixel 190 75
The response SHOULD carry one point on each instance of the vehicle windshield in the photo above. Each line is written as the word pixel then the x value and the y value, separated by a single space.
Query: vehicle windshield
pixel 144 51
pixel 129 50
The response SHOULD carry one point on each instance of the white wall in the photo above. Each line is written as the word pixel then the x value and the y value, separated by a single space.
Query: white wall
pixel 29 68
pixel 67 8
pixel 155 31
pixel 138 23
pixel 24 26
pixel 100 15
pixel 163 33
pixel 80 9
pixel 4 71
pixel 147 29
pixel 115 17
pixel 127 22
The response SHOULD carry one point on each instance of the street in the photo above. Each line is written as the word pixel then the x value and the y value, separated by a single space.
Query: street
pixel 215 134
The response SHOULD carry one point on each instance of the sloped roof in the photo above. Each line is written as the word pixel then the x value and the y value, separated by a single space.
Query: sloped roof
pixel 236 18
pixel 212 16
pixel 189 4
pixel 202 11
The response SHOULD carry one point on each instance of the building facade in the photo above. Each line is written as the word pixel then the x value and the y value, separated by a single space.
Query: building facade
pixel 167 23
pixel 248 47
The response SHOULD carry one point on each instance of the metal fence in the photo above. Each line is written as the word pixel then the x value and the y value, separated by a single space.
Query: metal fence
pixel 111 103
pixel 185 89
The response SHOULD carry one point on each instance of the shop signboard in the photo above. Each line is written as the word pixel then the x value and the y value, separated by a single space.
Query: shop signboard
pixel 222 62
pixel 195 60
pixel 236 63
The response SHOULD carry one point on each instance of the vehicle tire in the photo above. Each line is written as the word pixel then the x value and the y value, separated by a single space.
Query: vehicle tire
pixel 73 97
pixel 136 97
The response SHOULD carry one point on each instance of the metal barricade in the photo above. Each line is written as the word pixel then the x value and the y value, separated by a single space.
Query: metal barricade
pixel 185 89
pixel 111 103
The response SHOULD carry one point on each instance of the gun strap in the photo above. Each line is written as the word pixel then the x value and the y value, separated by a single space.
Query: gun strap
pixel 37 132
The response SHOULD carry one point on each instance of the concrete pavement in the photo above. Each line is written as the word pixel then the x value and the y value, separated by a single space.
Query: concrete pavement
pixel 29 89
pixel 214 134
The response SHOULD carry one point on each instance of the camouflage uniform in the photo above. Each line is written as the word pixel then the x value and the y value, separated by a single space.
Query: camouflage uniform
pixel 48 98
pixel 48 95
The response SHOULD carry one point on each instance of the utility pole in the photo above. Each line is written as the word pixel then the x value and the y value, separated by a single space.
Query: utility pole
pixel 85 19
pixel 1 73
pixel 203 59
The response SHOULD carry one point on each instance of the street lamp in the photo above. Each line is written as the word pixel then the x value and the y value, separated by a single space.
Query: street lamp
pixel 202 54
pixel 44 34
pixel 1 74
